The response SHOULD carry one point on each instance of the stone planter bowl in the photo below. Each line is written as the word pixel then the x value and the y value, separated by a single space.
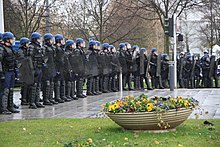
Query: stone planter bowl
pixel 148 121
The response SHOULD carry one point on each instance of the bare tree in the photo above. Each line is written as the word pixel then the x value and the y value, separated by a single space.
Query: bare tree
pixel 163 9
pixel 211 23
pixel 29 13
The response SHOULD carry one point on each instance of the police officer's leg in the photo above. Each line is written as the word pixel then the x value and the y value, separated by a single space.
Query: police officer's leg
pixel 73 87
pixel 105 84
pixel 4 95
pixel 129 80
pixel 148 83
pixel 11 93
pixel 89 86
pixel 24 94
pixel 110 82
pixel 124 80
pixel 79 88
pixel 46 93
pixel 57 80
pixel 51 99
pixel 97 88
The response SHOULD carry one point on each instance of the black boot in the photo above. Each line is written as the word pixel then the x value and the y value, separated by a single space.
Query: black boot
pixel 10 102
pixel 113 84
pixel 79 89
pixel 105 84
pixel 142 83
pixel 110 84
pixel 32 97
pixel 46 93
pixel 89 87
pixel 73 93
pixel 148 84
pixel 124 79
pixel 153 80
pixel 24 95
pixel 94 87
pixel 4 102
pixel 97 90
pixel 129 83
pixel 138 83
pixel 51 99
pixel 63 87
pixel 68 91
pixel 135 83
pixel 160 83
pixel 37 98
pixel 101 84
pixel 57 92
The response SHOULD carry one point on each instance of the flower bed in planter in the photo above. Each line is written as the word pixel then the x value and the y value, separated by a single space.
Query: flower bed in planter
pixel 144 113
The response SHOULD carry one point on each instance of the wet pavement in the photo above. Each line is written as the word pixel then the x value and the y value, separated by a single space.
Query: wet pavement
pixel 91 106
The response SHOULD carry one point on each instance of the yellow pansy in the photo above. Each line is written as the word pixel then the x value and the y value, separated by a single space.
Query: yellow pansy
pixel 138 103
pixel 111 108
pixel 150 106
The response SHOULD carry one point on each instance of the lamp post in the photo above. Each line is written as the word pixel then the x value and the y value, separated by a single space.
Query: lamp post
pixel 1 17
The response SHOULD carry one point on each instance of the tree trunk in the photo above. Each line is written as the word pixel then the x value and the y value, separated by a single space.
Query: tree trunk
pixel 166 44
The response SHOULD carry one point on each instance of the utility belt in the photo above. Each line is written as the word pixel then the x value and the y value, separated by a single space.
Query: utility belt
pixel 9 69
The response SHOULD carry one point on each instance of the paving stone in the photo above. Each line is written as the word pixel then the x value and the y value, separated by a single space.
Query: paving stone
pixel 91 106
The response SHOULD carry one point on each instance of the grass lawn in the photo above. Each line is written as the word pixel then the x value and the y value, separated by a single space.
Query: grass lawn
pixel 103 132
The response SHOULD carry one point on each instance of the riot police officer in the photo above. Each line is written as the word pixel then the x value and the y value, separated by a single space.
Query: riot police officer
pixel 105 66
pixel 188 72
pixel 7 74
pixel 164 70
pixel 155 67
pixel 59 64
pixel 92 68
pixel 99 78
pixel 26 69
pixel 68 91
pixel 114 76
pixel 205 63
pixel 129 62
pixel 122 59
pixel 48 69
pixel 79 63
pixel 144 76
pixel 197 72
pixel 137 67
pixel 180 60
pixel 36 53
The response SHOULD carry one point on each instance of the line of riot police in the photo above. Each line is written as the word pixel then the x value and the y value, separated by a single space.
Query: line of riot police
pixel 60 68
pixel 195 72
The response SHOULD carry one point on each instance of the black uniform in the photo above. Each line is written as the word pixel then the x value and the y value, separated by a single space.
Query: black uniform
pixel 68 85
pixel 60 84
pixel 79 67
pixel 122 59
pixel 165 70
pixel 114 76
pixel 26 63
pixel 144 76
pixel 7 79
pixel 37 56
pixel 187 72
pixel 129 62
pixel 155 67
pixel 137 69
pixel 205 63
pixel 93 72
pixel 180 61
pixel 198 73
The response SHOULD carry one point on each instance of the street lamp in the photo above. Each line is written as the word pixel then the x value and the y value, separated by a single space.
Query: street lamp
pixel 1 17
